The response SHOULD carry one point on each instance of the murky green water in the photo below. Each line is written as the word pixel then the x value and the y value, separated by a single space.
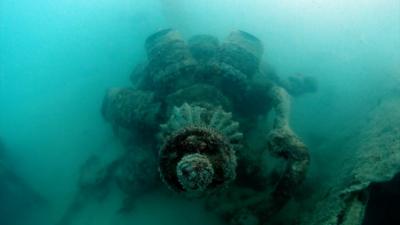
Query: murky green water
pixel 339 61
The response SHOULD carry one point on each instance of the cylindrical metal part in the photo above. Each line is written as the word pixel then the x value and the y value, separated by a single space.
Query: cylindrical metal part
pixel 242 51
pixel 170 63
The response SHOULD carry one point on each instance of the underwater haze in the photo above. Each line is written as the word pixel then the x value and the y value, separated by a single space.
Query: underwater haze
pixel 58 59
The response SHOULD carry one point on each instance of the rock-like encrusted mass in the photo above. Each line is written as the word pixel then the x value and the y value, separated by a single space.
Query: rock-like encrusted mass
pixel 195 172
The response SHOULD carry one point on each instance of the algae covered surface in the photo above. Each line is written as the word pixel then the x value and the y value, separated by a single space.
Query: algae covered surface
pixel 199 112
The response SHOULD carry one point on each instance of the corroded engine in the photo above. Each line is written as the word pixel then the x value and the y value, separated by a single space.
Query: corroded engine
pixel 198 113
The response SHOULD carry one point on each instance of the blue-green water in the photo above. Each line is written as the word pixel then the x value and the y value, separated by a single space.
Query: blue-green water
pixel 57 58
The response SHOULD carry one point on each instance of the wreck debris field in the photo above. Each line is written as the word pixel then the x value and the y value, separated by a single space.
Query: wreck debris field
pixel 200 112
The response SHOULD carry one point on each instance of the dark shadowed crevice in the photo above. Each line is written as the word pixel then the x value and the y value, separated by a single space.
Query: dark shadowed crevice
pixel 384 203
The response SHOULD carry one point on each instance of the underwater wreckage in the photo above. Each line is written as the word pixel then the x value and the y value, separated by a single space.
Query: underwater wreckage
pixel 194 106
pixel 196 121
pixel 366 190
pixel 210 121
